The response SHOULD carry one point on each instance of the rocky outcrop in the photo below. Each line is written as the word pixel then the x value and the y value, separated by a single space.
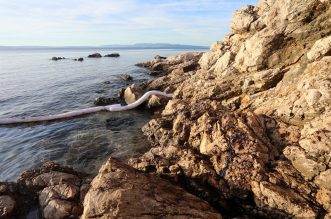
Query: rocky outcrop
pixel 57 58
pixel 58 192
pixel 172 71
pixel 79 59
pixel 186 62
pixel 119 191
pixel 247 131
pixel 249 127
pixel 113 55
pixel 95 55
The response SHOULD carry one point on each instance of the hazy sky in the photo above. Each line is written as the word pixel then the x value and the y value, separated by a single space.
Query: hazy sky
pixel 100 22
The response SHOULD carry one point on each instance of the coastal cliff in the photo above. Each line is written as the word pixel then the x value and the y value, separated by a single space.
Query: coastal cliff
pixel 249 127
pixel 246 135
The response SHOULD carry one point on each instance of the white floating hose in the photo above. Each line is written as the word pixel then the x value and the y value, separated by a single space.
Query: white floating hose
pixel 112 108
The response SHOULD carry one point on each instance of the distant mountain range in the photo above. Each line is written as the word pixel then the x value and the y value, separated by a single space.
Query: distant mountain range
pixel 114 46
pixel 156 46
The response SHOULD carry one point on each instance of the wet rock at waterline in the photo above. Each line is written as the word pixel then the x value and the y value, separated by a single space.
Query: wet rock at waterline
pixel 103 101
pixel 126 77
pixel 159 57
pixel 58 192
pixel 154 73
pixel 95 55
pixel 57 58
pixel 114 55
pixel 79 59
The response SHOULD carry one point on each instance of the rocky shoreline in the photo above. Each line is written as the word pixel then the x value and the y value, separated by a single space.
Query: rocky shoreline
pixel 246 135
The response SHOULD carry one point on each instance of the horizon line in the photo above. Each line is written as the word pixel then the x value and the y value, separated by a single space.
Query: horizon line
pixel 112 45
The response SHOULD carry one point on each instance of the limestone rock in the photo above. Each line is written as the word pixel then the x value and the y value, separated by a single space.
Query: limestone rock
pixel 323 197
pixel 256 110
pixel 60 190
pixel 119 191
pixel 320 48
pixel 243 19
pixel 283 199
pixel 133 93
pixel 250 117
pixel 323 179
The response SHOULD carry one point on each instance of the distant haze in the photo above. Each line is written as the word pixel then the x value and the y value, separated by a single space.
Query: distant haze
pixel 114 46
pixel 104 22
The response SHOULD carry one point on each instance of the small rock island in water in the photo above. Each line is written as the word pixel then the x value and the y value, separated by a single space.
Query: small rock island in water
pixel 246 135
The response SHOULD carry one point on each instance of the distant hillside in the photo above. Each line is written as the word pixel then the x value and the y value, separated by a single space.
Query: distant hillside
pixel 156 46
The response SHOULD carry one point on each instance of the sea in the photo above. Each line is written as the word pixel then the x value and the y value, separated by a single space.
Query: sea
pixel 31 84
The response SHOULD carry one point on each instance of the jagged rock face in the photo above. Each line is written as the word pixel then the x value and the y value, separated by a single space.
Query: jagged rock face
pixel 60 191
pixel 248 130
pixel 254 119
pixel 172 70
pixel 119 191
pixel 221 155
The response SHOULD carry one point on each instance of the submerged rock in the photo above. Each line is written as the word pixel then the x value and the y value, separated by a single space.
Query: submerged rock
pixel 95 55
pixel 103 101
pixel 126 77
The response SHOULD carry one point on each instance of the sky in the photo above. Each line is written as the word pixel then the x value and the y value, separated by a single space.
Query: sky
pixel 104 22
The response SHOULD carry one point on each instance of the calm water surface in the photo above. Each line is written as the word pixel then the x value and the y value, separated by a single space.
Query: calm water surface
pixel 31 85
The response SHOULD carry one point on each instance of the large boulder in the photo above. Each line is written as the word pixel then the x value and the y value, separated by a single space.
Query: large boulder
pixel 133 93
pixel 243 18
pixel 60 190
pixel 119 191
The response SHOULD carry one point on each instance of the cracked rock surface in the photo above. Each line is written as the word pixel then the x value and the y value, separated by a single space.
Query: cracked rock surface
pixel 247 133
pixel 120 191
pixel 249 129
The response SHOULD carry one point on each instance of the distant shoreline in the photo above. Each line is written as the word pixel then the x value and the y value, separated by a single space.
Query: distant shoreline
pixel 134 47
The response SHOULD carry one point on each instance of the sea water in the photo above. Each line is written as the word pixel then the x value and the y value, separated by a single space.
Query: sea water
pixel 33 85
